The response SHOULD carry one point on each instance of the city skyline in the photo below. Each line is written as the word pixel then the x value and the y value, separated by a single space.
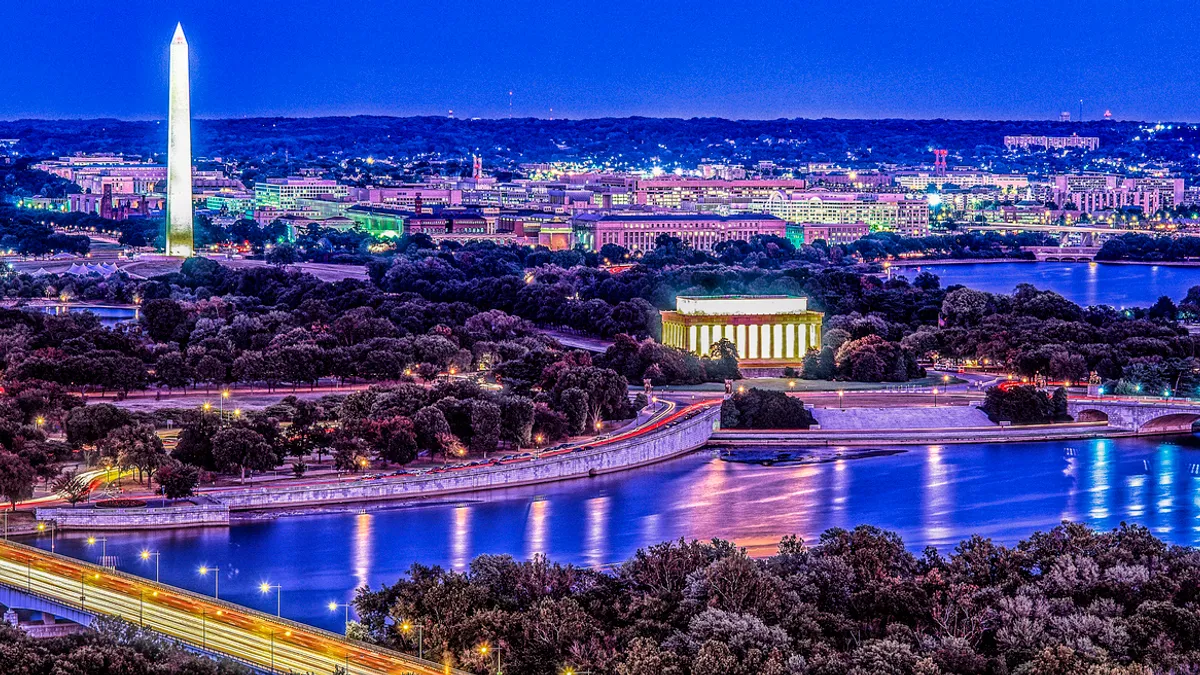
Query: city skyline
pixel 712 59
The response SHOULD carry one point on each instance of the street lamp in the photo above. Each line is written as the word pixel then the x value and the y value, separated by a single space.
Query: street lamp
pixel 91 541
pixel 571 671
pixel 266 587
pixel 224 395
pixel 206 406
pixel 333 607
pixel 485 648
pixel 841 395
pixel 205 569
pixel 935 397
pixel 39 421
pixel 148 554
pixel 406 628
pixel 41 528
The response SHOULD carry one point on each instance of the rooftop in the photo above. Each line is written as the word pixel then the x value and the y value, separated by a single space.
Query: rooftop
pixel 740 305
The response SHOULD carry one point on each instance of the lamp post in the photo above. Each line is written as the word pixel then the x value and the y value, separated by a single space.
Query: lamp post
pixel 103 546
pixel 224 396
pixel 333 607
pixel 41 528
pixel 147 554
pixel 266 587
pixel 841 396
pixel 935 397
pixel 406 628
pixel 205 569
pixel 485 648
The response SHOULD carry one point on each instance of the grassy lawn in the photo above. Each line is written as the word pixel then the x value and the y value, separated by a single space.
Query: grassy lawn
pixel 781 384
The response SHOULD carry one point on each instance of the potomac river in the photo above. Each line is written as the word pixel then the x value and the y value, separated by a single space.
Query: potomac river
pixel 930 495
pixel 1119 285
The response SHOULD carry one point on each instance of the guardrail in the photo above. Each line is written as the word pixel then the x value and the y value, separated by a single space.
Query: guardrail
pixel 266 642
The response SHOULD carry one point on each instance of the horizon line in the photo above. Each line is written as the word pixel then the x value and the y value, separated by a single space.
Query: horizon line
pixel 595 118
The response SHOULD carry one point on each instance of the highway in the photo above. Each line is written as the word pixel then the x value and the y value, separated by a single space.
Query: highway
pixel 268 643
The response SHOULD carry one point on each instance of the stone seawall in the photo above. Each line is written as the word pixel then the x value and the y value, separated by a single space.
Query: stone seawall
pixel 189 515
pixel 681 437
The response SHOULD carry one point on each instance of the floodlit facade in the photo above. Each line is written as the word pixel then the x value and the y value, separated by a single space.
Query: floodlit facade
pixel 701 231
pixel 888 212
pixel 179 152
pixel 282 193
pixel 768 330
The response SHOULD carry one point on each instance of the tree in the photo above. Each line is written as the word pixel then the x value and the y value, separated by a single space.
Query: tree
pixel 241 449
pixel 549 424
pixel 394 439
pixel 485 426
pixel 86 425
pixel 178 480
pixel 1025 404
pixel 71 487
pixel 134 446
pixel 431 428
pixel 762 409
pixel 17 478
pixel 722 362
pixel 574 404
pixel 210 370
pixel 162 317
pixel 516 420
pixel 194 445
pixel 171 371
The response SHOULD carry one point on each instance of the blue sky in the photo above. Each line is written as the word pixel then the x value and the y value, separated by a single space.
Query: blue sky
pixel 740 58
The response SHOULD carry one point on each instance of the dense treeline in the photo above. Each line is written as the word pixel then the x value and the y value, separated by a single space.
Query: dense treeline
pixel 275 146
pixel 762 409
pixel 437 365
pixel 1144 248
pixel 1071 601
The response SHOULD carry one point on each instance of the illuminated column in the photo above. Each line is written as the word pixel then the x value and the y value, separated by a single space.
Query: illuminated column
pixel 693 339
pixel 742 342
pixel 802 333
pixel 777 340
pixel 789 331
pixel 179 152
pixel 752 341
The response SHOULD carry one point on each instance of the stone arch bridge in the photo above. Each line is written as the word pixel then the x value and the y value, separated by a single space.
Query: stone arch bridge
pixel 1142 416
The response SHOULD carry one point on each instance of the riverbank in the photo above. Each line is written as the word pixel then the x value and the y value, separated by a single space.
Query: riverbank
pixel 917 436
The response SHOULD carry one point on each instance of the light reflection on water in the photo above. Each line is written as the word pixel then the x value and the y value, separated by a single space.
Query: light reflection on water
pixel 930 495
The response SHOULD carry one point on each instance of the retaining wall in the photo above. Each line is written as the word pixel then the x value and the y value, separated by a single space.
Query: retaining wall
pixel 680 438
pixel 190 515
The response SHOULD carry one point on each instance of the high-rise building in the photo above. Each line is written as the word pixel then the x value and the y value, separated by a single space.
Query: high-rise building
pixel 179 151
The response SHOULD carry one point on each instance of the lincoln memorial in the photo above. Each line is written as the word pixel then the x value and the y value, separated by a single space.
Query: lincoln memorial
pixel 768 330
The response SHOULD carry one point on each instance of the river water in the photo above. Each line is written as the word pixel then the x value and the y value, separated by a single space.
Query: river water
pixel 930 495
pixel 1083 283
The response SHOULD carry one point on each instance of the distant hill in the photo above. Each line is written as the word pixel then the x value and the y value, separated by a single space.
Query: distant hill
pixel 633 141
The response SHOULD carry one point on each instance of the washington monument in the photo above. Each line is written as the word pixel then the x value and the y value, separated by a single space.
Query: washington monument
pixel 179 152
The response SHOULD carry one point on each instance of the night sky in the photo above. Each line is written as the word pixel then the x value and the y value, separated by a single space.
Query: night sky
pixel 991 59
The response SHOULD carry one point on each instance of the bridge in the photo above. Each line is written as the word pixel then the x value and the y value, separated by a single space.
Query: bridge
pixel 1087 234
pixel 1139 415
pixel 1063 253
pixel 32 579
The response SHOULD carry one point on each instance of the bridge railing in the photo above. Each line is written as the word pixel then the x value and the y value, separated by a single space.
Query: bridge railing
pixel 26 556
